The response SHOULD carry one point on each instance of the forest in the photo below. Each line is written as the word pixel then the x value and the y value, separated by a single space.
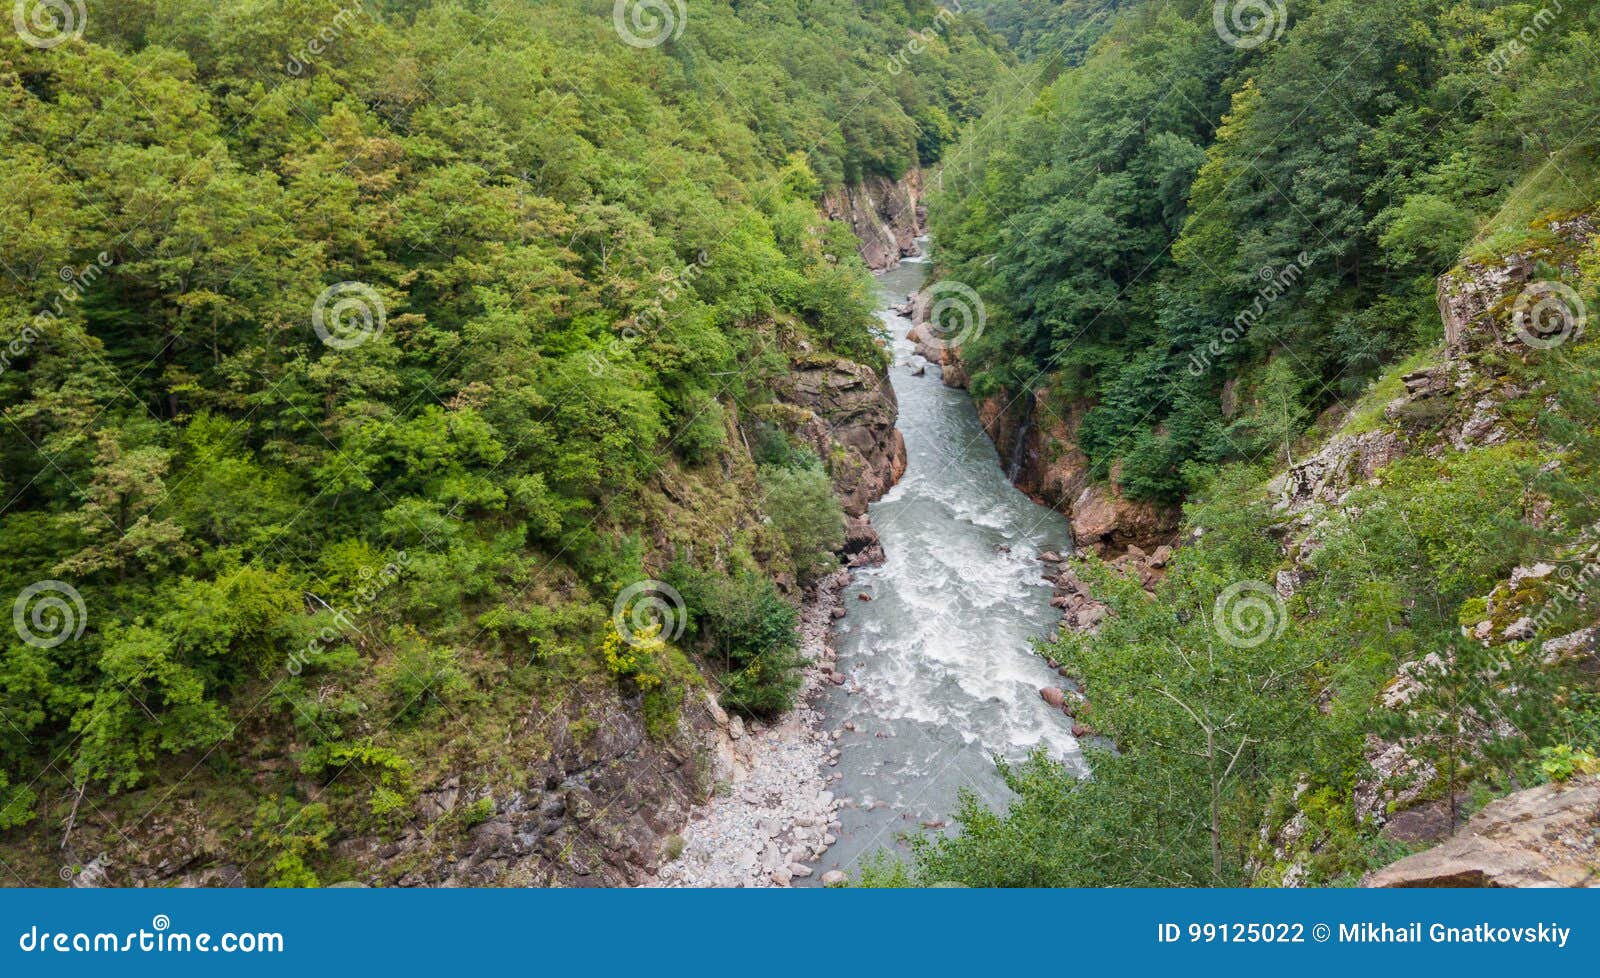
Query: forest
pixel 359 358
pixel 349 347
pixel 1225 259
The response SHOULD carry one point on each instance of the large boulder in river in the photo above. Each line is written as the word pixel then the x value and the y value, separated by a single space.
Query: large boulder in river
pixel 862 547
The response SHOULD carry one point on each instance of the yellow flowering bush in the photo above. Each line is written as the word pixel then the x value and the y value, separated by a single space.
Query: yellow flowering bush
pixel 634 659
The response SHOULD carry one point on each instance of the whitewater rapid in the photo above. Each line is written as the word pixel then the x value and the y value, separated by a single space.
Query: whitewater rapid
pixel 943 677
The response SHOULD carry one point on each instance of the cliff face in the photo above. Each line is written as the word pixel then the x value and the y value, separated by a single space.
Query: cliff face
pixel 1038 441
pixel 846 412
pixel 1463 402
pixel 886 215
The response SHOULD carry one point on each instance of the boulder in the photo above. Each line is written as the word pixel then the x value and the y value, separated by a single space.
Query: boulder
pixel 1544 836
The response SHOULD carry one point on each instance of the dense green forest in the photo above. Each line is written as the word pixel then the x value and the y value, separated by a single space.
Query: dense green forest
pixel 1119 219
pixel 1222 252
pixel 361 359
pixel 359 354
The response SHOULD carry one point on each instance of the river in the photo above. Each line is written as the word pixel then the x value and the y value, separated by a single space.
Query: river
pixel 943 677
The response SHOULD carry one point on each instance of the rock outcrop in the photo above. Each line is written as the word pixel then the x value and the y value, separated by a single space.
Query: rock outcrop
pixel 930 344
pixel 1459 403
pixel 594 801
pixel 887 216
pixel 1545 836
pixel 846 412
pixel 1040 446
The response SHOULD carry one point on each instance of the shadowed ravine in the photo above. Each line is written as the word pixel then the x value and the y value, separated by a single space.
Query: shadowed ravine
pixel 943 677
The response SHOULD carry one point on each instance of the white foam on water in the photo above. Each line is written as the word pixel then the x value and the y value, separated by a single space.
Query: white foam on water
pixel 943 672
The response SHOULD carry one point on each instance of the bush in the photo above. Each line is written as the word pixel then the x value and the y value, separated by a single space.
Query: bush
pixel 743 625
pixel 804 510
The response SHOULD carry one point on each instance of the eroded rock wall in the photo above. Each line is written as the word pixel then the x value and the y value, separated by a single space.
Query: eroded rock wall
pixel 887 216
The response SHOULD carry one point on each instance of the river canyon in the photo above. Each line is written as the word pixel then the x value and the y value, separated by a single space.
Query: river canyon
pixel 943 677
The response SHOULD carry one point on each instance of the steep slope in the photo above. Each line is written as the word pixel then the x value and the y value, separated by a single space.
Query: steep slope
pixel 1366 646
pixel 397 485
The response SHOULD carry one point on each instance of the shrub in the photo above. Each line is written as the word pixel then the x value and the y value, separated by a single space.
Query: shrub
pixel 742 624
pixel 804 510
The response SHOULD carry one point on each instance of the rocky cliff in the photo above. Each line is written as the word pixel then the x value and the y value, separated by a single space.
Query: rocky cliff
pixel 1036 435
pixel 1038 440
pixel 1545 836
pixel 846 412
pixel 1471 396
pixel 887 216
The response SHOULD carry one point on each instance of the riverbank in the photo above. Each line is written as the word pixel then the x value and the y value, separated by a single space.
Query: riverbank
pixel 774 817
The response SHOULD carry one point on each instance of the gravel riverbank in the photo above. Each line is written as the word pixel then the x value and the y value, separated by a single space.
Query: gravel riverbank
pixel 773 817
